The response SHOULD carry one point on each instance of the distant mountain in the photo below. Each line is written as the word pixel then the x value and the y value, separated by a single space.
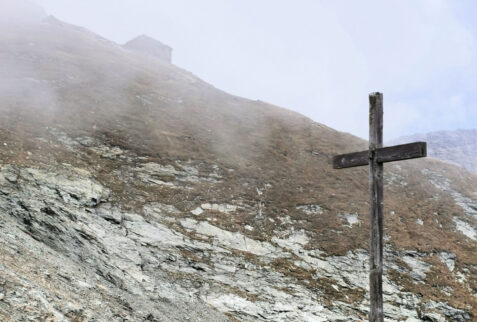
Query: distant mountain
pixel 458 147
pixel 131 190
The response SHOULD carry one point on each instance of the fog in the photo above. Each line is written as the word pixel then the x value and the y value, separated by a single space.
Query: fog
pixel 20 11
pixel 320 58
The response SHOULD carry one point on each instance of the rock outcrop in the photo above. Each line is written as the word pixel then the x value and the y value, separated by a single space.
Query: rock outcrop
pixel 134 191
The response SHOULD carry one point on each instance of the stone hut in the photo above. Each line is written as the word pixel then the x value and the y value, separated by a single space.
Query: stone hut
pixel 150 46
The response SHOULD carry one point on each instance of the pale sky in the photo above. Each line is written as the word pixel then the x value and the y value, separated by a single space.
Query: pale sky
pixel 319 58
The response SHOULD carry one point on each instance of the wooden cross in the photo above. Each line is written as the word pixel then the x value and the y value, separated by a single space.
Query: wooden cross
pixel 375 157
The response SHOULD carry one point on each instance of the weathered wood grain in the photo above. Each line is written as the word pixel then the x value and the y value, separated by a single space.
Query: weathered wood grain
pixel 387 154
pixel 375 157
pixel 376 208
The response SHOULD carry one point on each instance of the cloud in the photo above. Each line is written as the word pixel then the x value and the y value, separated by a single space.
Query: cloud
pixel 408 50
pixel 20 11
pixel 320 58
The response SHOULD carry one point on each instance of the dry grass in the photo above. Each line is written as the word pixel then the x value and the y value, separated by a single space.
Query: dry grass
pixel 188 119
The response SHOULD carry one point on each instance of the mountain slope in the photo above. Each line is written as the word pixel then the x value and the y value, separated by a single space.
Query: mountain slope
pixel 458 147
pixel 130 189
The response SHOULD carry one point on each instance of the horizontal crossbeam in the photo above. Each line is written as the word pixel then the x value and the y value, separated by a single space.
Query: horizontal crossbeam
pixel 387 154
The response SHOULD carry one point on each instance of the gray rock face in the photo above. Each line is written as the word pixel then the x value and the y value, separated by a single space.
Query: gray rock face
pixel 130 190
pixel 91 262
pixel 468 205
pixel 85 259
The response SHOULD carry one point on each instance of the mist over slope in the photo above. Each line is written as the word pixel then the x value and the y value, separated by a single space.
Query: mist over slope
pixel 131 189
pixel 16 12
pixel 458 147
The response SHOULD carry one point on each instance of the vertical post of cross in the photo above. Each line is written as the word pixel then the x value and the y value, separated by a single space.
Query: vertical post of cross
pixel 375 157
pixel 376 208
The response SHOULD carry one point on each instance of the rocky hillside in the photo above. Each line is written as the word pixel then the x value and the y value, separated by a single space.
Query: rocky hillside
pixel 130 190
pixel 458 147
